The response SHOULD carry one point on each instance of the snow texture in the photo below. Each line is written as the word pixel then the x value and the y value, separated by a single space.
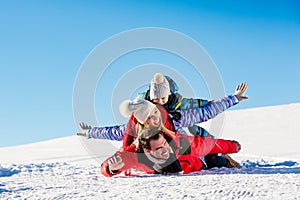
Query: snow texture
pixel 68 168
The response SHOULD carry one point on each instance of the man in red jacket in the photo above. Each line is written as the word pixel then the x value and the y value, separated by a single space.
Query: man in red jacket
pixel 162 154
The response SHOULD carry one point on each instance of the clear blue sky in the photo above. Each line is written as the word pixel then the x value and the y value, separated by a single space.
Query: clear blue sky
pixel 44 43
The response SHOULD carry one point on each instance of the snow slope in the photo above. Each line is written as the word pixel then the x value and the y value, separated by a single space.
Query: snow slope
pixel 68 168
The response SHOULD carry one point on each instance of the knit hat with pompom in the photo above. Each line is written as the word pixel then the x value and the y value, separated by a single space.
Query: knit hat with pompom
pixel 159 87
pixel 140 108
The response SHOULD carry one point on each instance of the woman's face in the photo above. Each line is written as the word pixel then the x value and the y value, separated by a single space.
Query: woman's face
pixel 161 101
pixel 154 119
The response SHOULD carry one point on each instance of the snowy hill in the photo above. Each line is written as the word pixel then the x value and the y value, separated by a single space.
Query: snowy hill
pixel 68 168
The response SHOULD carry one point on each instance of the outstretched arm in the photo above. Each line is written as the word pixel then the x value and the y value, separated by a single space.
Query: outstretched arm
pixel 109 132
pixel 122 161
pixel 190 117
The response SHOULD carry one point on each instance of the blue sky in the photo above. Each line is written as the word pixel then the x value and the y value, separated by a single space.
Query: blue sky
pixel 44 43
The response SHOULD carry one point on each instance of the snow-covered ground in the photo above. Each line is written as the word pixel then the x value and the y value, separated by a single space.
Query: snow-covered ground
pixel 68 168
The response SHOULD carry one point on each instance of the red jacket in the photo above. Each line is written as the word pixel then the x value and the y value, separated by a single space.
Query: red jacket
pixel 188 150
pixel 200 146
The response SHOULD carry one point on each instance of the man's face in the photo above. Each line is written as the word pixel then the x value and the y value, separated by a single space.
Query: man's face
pixel 154 119
pixel 161 101
pixel 160 148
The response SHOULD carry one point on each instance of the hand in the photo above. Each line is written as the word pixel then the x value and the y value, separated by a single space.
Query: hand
pixel 115 163
pixel 84 128
pixel 240 91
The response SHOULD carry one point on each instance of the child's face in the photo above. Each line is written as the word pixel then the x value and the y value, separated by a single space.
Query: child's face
pixel 161 101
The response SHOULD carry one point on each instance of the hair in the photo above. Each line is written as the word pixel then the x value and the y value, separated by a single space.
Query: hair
pixel 147 135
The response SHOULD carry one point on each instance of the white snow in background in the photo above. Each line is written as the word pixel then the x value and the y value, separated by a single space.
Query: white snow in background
pixel 68 168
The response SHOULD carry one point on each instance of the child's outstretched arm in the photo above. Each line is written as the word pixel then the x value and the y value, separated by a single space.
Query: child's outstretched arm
pixel 190 117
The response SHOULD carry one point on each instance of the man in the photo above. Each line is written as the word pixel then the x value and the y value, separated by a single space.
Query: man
pixel 162 154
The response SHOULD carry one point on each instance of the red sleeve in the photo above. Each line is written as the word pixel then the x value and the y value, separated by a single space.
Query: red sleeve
pixel 130 133
pixel 130 148
pixel 130 160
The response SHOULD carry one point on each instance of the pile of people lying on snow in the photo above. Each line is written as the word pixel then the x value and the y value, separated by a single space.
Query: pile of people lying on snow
pixel 155 140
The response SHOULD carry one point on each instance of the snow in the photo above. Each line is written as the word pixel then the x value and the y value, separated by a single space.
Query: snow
pixel 68 168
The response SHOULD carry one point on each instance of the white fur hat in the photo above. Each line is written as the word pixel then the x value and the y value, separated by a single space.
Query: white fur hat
pixel 159 87
pixel 140 108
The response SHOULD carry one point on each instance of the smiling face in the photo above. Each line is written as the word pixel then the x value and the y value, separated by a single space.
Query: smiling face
pixel 160 148
pixel 154 119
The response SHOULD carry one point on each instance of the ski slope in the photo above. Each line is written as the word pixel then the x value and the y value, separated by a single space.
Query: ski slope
pixel 68 168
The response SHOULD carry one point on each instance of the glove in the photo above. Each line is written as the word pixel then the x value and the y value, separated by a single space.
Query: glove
pixel 240 91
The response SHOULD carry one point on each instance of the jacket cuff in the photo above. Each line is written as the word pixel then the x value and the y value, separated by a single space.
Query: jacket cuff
pixel 235 99
pixel 89 134
pixel 112 171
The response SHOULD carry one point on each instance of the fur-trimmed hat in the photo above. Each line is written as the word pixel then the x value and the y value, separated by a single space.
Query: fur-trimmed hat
pixel 159 87
pixel 140 108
